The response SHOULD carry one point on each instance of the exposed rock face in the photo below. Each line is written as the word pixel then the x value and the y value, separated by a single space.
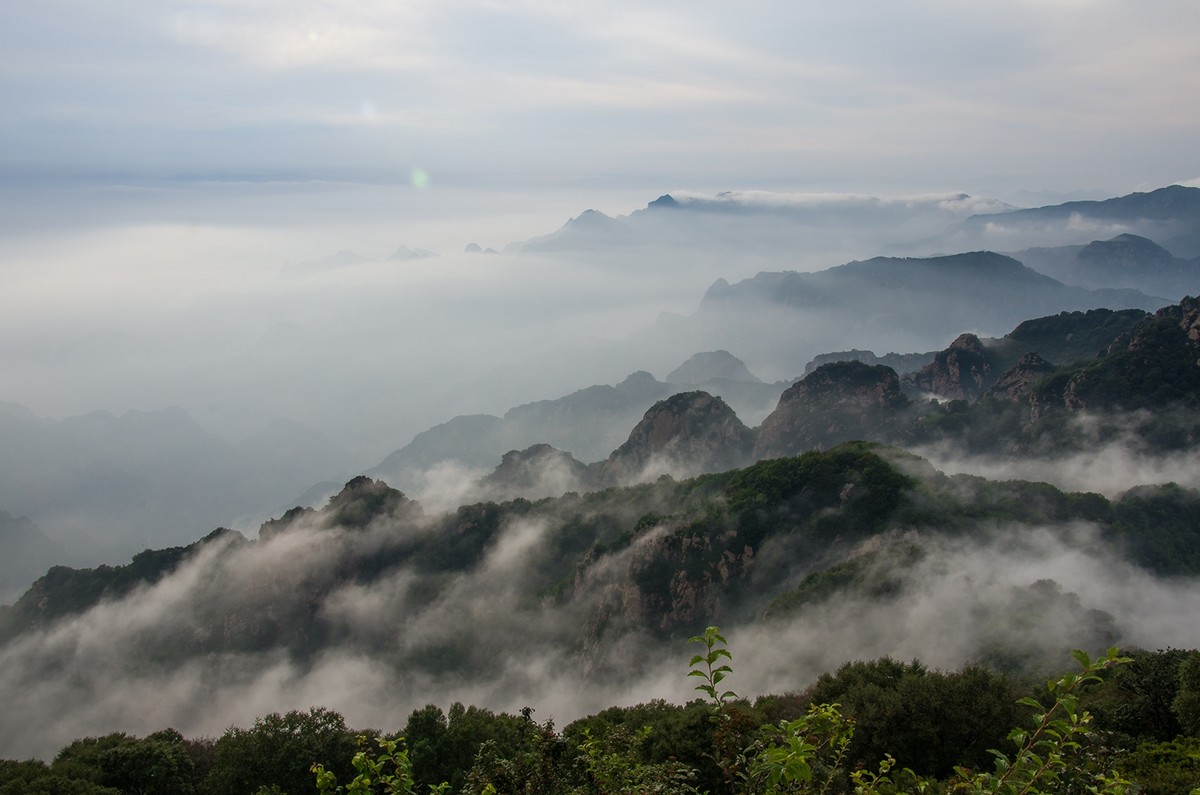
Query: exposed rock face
pixel 961 372
pixel 1187 312
pixel 535 472
pixel 711 366
pixel 837 402
pixel 686 434
pixel 1017 383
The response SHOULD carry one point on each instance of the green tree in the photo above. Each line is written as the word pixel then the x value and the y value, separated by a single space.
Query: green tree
pixel 281 750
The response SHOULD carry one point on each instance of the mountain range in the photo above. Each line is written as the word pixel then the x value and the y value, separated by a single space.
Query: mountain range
pixel 565 548
pixel 103 485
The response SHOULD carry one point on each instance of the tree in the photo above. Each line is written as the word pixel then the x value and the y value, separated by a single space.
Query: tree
pixel 281 750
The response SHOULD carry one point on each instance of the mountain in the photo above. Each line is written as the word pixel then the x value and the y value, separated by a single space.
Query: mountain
pixel 1155 365
pixel 787 318
pixel 962 371
pixel 405 254
pixel 686 434
pixel 850 552
pixel 536 472
pixel 900 362
pixel 835 403
pixel 1169 215
pixel 1017 383
pixel 812 230
pixel 518 599
pixel 469 440
pixel 1144 388
pixel 1124 261
pixel 588 423
pixel 703 368
pixel 25 554
pixel 1066 337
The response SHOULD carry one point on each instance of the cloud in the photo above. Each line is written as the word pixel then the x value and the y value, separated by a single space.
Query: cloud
pixel 1113 460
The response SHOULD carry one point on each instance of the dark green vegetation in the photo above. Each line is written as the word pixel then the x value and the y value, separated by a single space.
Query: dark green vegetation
pixel 1133 722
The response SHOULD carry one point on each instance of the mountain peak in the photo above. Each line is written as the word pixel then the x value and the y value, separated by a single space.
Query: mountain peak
pixel 666 201
pixel 690 432
pixel 835 403
pixel 361 500
pixel 701 368
pixel 962 371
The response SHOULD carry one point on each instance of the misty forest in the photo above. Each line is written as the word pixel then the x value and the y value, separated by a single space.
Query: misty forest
pixel 911 490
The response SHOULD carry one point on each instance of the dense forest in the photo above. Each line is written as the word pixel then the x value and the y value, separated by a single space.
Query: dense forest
pixel 1115 725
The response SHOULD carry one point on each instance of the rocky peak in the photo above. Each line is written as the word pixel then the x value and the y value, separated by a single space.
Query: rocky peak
pixel 363 499
pixel 1187 312
pixel 1017 383
pixel 835 403
pixel 642 386
pixel 702 368
pixel 537 471
pixel 961 372
pixel 688 433
pixel 1125 250
pixel 1147 335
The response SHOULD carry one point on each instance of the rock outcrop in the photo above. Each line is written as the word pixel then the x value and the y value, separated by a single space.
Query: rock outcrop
pixel 961 372
pixel 711 366
pixel 686 434
pixel 535 472
pixel 1017 383
pixel 837 402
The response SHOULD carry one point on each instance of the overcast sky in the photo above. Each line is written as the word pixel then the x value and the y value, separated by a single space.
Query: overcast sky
pixel 919 95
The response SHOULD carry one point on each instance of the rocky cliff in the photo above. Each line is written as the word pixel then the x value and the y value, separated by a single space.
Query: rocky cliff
pixel 686 434
pixel 535 472
pixel 835 403
pixel 961 372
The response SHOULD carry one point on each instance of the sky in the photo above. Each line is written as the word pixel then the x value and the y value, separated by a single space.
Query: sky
pixel 161 162
pixel 1054 95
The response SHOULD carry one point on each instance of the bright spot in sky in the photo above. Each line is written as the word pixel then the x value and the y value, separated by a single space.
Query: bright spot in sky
pixel 420 178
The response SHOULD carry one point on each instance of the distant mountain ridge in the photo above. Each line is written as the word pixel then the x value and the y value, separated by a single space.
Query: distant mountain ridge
pixel 1126 260
pixel 588 423
pixel 789 317
pixel 1170 216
